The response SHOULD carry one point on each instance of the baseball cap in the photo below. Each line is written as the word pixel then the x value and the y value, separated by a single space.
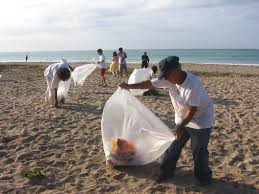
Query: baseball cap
pixel 168 64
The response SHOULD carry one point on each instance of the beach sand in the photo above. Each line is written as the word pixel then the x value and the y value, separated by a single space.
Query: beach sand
pixel 68 143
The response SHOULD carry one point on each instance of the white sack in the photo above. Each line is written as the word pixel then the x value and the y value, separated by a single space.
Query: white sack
pixel 82 72
pixel 63 89
pixel 126 117
pixel 139 75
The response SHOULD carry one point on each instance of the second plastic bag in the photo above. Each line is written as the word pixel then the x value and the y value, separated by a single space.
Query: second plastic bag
pixel 139 75
pixel 132 134
pixel 63 89
pixel 82 72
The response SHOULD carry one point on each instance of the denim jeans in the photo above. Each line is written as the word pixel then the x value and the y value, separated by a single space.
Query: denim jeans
pixel 199 144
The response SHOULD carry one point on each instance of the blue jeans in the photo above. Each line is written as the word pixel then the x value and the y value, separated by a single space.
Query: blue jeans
pixel 199 144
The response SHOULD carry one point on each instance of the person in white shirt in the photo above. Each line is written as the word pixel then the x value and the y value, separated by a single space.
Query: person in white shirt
pixel 122 61
pixel 194 117
pixel 54 74
pixel 103 66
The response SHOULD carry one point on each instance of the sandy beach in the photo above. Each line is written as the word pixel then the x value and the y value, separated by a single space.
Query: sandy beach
pixel 67 141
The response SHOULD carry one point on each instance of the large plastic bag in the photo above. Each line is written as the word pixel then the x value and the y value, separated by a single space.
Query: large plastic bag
pixel 63 89
pixel 125 117
pixel 139 75
pixel 82 72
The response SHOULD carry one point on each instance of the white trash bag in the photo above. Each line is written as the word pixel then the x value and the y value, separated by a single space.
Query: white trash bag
pixel 139 75
pixel 82 72
pixel 63 89
pixel 132 134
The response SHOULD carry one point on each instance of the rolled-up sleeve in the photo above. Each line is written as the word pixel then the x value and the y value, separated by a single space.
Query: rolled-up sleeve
pixel 160 83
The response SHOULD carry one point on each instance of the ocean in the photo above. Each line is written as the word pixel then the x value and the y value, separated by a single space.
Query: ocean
pixel 201 56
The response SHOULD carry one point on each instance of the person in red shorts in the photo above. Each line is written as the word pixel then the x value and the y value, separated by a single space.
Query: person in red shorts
pixel 102 64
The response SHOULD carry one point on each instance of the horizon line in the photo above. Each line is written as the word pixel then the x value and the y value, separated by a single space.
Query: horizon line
pixel 81 50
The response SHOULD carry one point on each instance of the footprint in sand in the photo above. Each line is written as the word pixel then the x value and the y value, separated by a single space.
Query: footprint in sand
pixel 24 156
pixel 119 176
pixel 235 158
pixel 9 161
pixel 3 153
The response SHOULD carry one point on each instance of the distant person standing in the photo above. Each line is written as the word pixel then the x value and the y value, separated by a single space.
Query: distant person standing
pixel 122 61
pixel 102 64
pixel 26 58
pixel 145 60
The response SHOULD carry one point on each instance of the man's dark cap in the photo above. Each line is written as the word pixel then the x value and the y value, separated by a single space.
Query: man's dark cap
pixel 168 64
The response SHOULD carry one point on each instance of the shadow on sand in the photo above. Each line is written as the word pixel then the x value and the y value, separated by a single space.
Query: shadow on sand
pixel 82 108
pixel 184 181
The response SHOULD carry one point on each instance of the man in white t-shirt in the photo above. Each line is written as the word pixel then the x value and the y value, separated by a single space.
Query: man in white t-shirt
pixel 54 74
pixel 194 117
pixel 122 61
pixel 103 66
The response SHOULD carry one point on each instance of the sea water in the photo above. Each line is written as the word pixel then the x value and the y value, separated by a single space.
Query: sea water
pixel 201 56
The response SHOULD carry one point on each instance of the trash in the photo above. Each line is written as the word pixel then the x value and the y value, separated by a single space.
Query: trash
pixel 82 72
pixel 139 75
pixel 63 89
pixel 127 120
pixel 122 150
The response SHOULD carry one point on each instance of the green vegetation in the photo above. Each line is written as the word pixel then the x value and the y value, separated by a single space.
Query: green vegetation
pixel 38 173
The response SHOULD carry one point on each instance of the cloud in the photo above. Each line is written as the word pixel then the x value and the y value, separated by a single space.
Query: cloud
pixel 87 24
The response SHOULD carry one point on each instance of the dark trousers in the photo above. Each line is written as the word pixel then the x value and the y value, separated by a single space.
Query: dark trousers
pixel 144 65
pixel 199 144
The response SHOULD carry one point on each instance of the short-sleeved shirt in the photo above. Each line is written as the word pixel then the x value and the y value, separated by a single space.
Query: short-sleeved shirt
pixel 190 93
pixel 102 59
pixel 122 58
pixel 51 73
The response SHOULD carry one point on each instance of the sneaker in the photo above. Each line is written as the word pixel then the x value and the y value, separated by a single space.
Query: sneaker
pixel 204 183
pixel 163 176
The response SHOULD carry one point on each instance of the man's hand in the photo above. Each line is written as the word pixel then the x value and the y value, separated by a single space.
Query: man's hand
pixel 178 130
pixel 124 86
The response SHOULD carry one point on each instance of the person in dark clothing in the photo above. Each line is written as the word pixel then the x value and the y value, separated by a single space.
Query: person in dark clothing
pixel 26 58
pixel 145 60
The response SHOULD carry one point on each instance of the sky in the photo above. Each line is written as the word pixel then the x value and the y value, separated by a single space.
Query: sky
pixel 44 25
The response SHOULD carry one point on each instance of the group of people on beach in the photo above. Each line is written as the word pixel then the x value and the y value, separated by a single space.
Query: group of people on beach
pixel 118 64
pixel 194 114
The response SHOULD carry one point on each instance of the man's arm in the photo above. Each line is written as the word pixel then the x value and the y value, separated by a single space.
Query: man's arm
pixel 141 85
pixel 187 118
